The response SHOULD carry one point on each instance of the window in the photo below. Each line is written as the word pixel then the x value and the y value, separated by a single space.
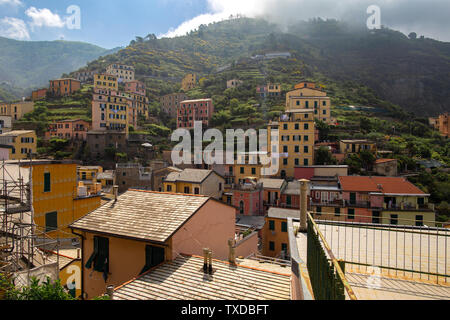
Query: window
pixel 272 246
pixel 253 171
pixel 187 190
pixel 169 188
pixel 51 221
pixel 154 256
pixel 351 214
pixel 297 126
pixel 284 247
pixel 375 217
pixel 394 219
pixel 242 170
pixel 197 191
pixel 271 225
pixel 337 212
pixel 241 207
pixel 285 149
pixel 100 256
pixel 305 149
pixel 306 126
pixel 283 226
pixel 319 210
pixel 419 221
pixel 297 149
pixel 306 162
pixel 285 162
pixel 285 126
pixel 47 184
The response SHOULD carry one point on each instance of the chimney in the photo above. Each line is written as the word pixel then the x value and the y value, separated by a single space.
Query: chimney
pixel 232 252
pixel 110 292
pixel 205 260
pixel 210 268
pixel 303 204
pixel 116 192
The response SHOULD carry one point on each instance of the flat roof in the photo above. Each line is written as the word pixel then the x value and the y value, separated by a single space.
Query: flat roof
pixel 281 213
pixel 256 222
pixel 272 183
pixel 183 279
pixel 16 133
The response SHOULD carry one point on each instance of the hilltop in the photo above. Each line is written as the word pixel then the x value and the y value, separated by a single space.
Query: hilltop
pixel 413 73
pixel 30 64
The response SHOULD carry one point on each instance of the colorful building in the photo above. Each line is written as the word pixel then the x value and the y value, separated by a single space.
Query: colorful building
pixel 76 129
pixel 110 111
pixel 123 73
pixel 135 86
pixel 133 176
pixel 348 147
pixel 269 90
pixel 20 143
pixel 39 94
pixel 195 181
pixel 386 200
pixel 142 229
pixel 189 82
pixel 386 167
pixel 64 87
pixel 247 197
pixel 325 171
pixel 308 96
pixel 88 178
pixel 171 102
pixel 16 110
pixel 5 124
pixel 295 132
pixel 106 82
pixel 273 189
pixel 443 125
pixel 85 76
pixel 189 111
pixel 275 242
pixel 55 200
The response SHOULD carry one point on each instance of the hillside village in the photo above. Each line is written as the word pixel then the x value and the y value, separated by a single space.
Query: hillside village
pixel 94 151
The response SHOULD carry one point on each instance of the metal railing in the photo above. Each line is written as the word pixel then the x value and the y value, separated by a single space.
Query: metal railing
pixel 401 250
pixel 325 271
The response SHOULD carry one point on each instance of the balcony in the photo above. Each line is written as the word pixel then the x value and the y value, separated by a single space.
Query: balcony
pixel 328 203
pixel 357 204
pixel 408 207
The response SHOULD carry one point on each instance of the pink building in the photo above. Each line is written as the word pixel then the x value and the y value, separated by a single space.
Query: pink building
pixel 69 129
pixel 135 87
pixel 248 198
pixel 190 111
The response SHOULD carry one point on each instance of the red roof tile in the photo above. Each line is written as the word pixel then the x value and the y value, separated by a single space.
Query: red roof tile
pixel 386 185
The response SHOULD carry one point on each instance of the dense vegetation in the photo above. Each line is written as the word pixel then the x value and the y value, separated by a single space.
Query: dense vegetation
pixel 30 64
pixel 413 73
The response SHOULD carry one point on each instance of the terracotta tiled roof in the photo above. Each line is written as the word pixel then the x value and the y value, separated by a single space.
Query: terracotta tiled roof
pixel 142 215
pixel 189 175
pixel 183 279
pixel 386 185
pixel 379 161
pixel 272 183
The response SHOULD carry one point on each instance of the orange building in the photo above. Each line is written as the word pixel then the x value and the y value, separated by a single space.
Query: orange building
pixel 69 129
pixel 64 87
pixel 39 94
pixel 142 229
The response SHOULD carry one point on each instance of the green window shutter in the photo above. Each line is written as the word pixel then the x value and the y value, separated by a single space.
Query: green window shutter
pixel 101 263
pixel 284 226
pixel 272 246
pixel 51 221
pixel 93 255
pixel 47 183
pixel 272 225
pixel 154 256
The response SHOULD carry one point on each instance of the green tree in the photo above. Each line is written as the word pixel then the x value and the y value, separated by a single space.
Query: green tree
pixel 324 157
pixel 47 290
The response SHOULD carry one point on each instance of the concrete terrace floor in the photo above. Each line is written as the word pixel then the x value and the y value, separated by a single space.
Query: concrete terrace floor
pixel 388 285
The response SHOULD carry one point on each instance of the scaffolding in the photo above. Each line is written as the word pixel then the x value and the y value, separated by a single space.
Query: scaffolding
pixel 22 242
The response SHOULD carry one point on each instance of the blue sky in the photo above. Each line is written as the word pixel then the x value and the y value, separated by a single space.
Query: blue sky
pixel 112 23
pixel 106 23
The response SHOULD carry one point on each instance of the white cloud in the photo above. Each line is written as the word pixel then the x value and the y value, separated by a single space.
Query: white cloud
pixel 429 17
pixel 44 18
pixel 14 28
pixel 14 3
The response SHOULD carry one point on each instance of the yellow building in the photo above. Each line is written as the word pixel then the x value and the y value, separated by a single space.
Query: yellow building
pixel 55 200
pixel 88 178
pixel 189 82
pixel 195 181
pixel 295 141
pixel 356 146
pixel 307 96
pixel 275 238
pixel 110 112
pixel 106 82
pixel 19 143
pixel 16 110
